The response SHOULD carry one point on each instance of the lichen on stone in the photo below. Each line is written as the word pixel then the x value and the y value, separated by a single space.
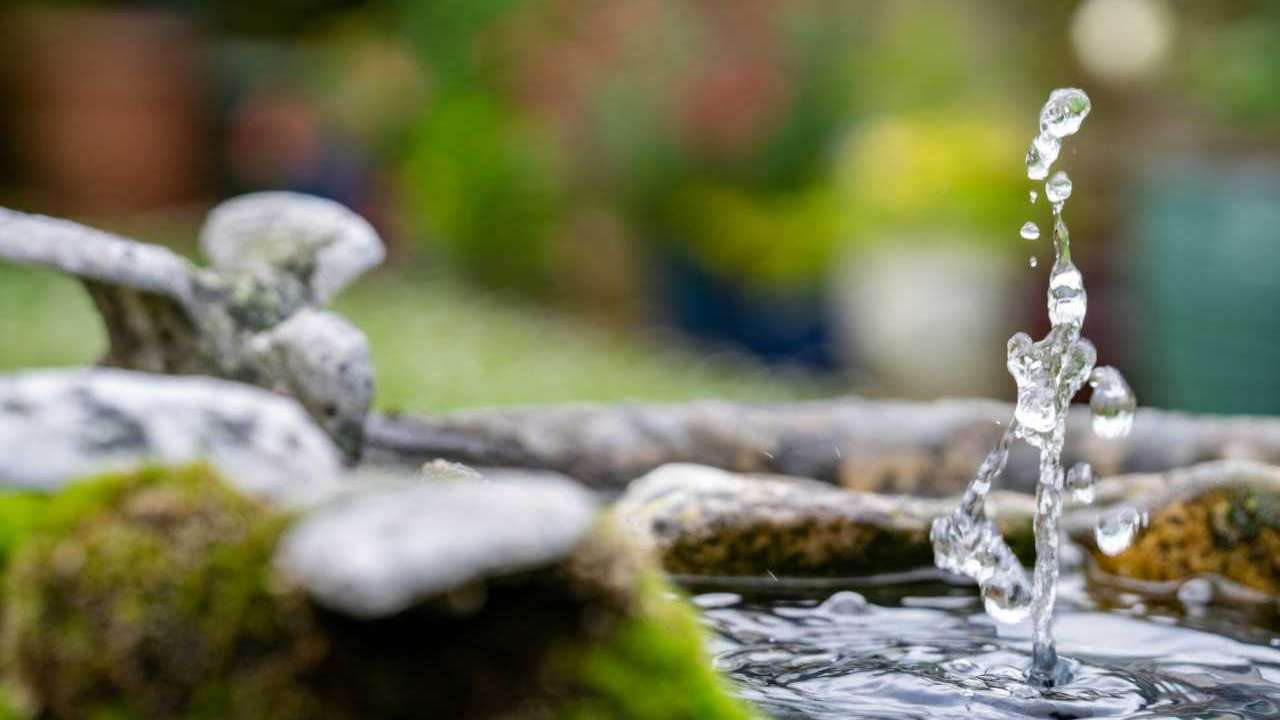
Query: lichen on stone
pixel 1232 531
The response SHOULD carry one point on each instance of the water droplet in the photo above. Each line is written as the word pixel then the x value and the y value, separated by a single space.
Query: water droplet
pixel 845 602
pixel 1067 299
pixel 1062 115
pixel 1030 231
pixel 1196 592
pixel 1034 197
pixel 1007 602
pixel 1032 261
pixel 1080 482
pixel 1042 153
pixel 1113 403
pixel 1058 188
pixel 1115 532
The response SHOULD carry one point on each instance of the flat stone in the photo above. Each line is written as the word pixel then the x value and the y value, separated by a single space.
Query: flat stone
pixel 706 521
pixel 57 426
pixel 376 553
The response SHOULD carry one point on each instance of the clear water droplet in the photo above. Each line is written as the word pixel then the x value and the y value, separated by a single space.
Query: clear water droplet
pixel 1042 153
pixel 1033 261
pixel 1066 109
pixel 1034 196
pixel 1116 532
pixel 1007 602
pixel 1058 188
pixel 1080 482
pixel 1113 403
pixel 1061 116
pixel 1029 231
pixel 1067 298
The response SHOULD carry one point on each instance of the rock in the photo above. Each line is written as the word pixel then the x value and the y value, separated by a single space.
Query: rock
pixel 157 594
pixel 59 425
pixel 377 553
pixel 918 448
pixel 705 521
pixel 1216 518
pixel 255 316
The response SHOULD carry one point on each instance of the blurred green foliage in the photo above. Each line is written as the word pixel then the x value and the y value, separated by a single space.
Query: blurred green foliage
pixel 437 345
pixel 742 133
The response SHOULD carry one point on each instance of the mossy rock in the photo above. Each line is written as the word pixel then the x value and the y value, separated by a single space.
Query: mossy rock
pixel 1232 531
pixel 154 595
pixel 708 522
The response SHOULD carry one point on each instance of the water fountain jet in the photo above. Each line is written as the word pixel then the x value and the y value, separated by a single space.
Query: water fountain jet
pixel 1048 372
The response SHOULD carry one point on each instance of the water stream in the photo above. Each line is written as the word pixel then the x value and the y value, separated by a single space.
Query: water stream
pixel 927 645
pixel 1048 373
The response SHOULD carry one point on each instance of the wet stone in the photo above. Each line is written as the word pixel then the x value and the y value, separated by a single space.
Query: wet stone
pixel 59 426
pixel 705 521
pixel 1220 518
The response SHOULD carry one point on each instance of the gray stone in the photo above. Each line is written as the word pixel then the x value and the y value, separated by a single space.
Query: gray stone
pixel 255 316
pixel 917 448
pixel 61 425
pixel 376 553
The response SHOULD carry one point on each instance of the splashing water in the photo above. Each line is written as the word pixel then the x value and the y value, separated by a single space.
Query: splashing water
pixel 922 649
pixel 1048 373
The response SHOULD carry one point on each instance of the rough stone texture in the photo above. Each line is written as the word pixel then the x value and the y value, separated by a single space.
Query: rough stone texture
pixel 254 317
pixel 377 553
pixel 57 426
pixel 705 521
pixel 921 448
pixel 1220 518
pixel 319 241
pixel 154 595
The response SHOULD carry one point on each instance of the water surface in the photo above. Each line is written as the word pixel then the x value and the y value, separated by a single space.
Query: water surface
pixel 922 647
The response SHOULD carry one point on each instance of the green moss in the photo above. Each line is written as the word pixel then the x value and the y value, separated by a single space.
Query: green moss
pixel 652 667
pixel 151 595
pixel 148 595
pixel 818 546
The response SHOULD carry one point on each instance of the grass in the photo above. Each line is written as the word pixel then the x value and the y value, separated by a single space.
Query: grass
pixel 437 345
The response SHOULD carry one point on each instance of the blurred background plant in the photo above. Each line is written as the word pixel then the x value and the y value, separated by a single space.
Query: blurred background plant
pixel 664 199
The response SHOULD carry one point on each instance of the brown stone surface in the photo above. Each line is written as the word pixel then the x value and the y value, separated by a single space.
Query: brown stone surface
pixel 1217 518
pixel 705 521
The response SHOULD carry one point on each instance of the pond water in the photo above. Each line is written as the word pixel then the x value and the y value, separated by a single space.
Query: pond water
pixel 920 646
